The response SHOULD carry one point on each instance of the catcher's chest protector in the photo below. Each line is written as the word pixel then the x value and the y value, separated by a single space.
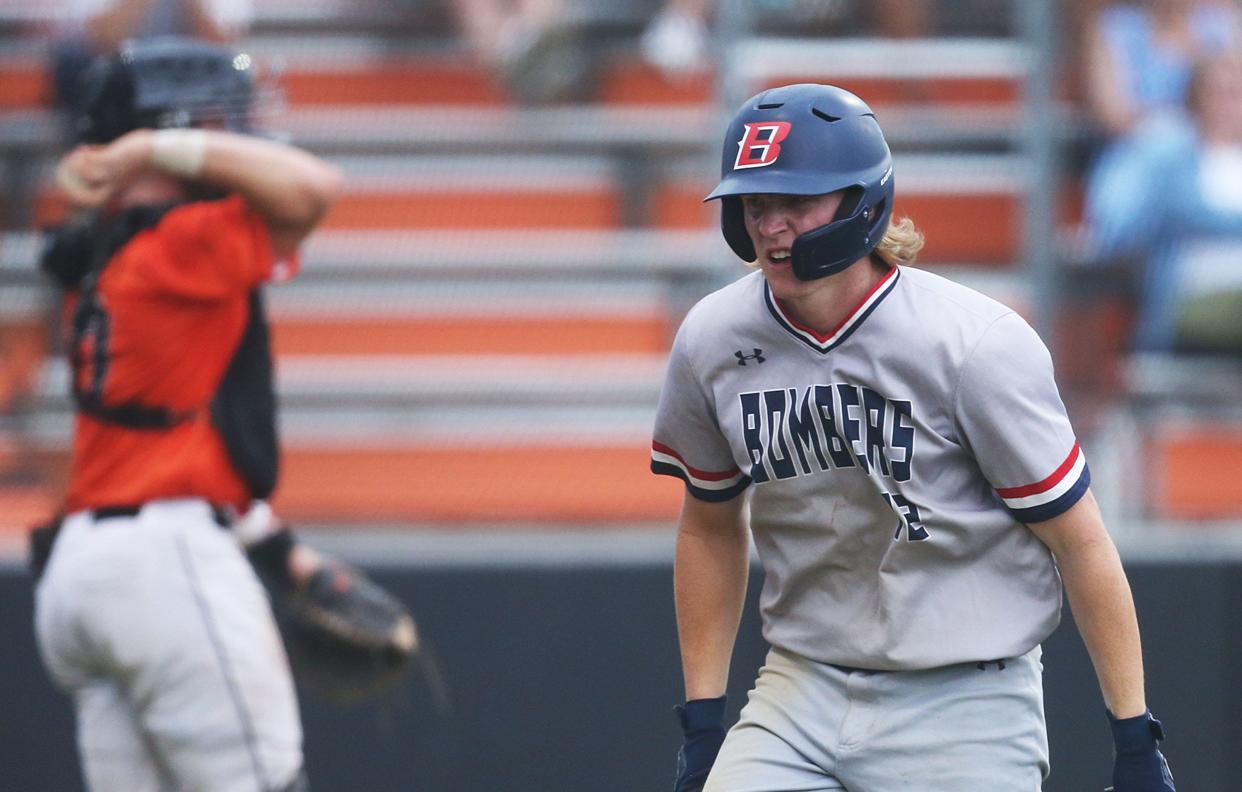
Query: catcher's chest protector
pixel 244 406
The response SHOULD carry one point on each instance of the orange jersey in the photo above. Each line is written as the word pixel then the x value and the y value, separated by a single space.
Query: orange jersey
pixel 176 300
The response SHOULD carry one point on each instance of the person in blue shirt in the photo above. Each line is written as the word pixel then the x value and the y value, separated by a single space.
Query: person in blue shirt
pixel 1139 57
pixel 1169 195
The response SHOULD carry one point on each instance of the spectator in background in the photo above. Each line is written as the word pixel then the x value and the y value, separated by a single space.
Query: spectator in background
pixel 97 27
pixel 1169 194
pixel 902 18
pixel 1139 56
pixel 677 39
pixel 531 46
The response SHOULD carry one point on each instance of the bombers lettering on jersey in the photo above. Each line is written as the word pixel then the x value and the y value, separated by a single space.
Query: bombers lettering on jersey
pixel 823 428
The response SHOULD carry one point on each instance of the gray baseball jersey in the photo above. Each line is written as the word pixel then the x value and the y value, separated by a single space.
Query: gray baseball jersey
pixel 892 465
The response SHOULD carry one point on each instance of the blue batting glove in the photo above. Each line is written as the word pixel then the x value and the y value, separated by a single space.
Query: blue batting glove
pixel 702 721
pixel 1139 766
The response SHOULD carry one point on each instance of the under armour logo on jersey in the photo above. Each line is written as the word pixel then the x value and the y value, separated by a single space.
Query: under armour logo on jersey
pixel 761 144
pixel 742 357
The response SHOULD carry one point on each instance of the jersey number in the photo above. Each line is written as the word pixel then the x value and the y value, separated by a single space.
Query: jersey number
pixel 908 518
pixel 89 346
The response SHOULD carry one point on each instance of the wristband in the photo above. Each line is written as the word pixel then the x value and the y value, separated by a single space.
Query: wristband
pixel 702 722
pixel 256 524
pixel 1140 733
pixel 270 556
pixel 179 152
pixel 699 715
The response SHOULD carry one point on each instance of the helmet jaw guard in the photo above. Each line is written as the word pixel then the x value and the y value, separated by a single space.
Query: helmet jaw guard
pixel 829 249
pixel 809 139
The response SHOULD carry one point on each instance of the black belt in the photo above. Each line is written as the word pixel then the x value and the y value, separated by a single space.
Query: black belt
pixel 982 665
pixel 854 669
pixel 218 513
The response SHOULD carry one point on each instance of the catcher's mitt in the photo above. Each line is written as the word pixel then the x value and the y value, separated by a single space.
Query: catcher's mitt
pixel 348 639
pixel 344 607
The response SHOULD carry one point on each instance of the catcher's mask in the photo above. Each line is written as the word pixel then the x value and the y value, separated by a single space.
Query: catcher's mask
pixel 809 139
pixel 165 83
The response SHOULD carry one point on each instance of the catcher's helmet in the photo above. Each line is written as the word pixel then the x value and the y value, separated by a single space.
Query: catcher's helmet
pixel 809 139
pixel 165 82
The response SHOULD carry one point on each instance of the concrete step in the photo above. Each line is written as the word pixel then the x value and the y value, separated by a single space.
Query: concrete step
pixel 393 382
pixel 446 254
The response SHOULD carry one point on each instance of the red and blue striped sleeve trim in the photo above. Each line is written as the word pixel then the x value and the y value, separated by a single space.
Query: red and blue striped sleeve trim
pixel 1053 496
pixel 706 485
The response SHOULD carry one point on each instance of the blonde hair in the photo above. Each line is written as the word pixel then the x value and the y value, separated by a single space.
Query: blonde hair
pixel 901 243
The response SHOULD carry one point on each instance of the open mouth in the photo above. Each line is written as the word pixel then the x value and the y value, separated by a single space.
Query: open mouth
pixel 779 257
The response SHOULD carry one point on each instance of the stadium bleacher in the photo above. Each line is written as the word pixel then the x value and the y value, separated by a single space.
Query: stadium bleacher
pixel 478 333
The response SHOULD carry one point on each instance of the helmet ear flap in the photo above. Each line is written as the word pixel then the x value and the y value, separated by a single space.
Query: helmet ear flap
pixel 880 215
pixel 107 104
pixel 733 225
pixel 850 199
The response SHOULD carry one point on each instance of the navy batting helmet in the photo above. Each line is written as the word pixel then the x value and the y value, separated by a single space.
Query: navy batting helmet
pixel 165 82
pixel 809 139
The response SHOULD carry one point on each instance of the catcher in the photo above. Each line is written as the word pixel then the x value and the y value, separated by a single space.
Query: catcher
pixel 147 612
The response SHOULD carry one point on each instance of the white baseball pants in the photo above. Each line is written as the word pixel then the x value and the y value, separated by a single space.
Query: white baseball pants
pixel 159 629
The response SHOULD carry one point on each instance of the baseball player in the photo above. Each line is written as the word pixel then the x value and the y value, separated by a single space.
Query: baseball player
pixel 147 612
pixel 911 476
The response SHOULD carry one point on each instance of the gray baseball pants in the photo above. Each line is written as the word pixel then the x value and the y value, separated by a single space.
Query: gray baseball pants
pixel 812 727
